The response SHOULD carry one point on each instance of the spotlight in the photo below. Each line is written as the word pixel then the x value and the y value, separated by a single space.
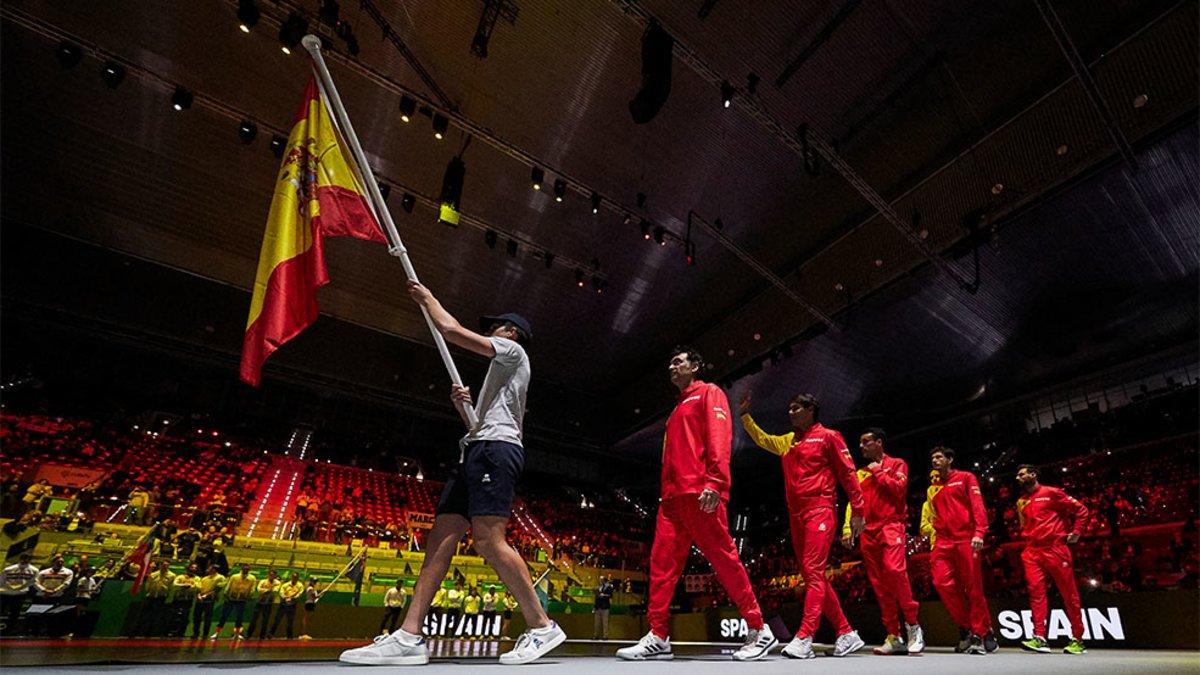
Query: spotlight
pixel 547 259
pixel 113 74
pixel 278 143
pixel 538 177
pixel 689 254
pixel 328 12
pixel 291 31
pixel 595 203
pixel 440 124
pixel 718 224
pixel 407 202
pixel 68 53
pixel 181 99
pixel 560 189
pixel 660 235
pixel 641 199
pixel 247 130
pixel 408 107
pixel 645 229
pixel 452 188
pixel 579 278
pixel 489 238
pixel 385 190
pixel 511 248
pixel 726 94
pixel 597 284
pixel 247 14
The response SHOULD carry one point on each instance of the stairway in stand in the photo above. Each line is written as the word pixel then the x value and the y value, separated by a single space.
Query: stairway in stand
pixel 270 513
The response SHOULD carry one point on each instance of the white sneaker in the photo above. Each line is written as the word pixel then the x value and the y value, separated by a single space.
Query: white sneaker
pixel 396 649
pixel 534 644
pixel 649 647
pixel 891 646
pixel 847 643
pixel 916 639
pixel 215 635
pixel 799 648
pixel 756 646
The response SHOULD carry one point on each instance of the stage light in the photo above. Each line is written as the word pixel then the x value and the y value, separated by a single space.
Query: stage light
pixel 579 278
pixel 660 235
pixel 113 74
pixel 689 257
pixel 278 143
pixel 726 94
pixel 291 31
pixel 181 99
pixel 657 46
pixel 408 107
pixel 595 203
pixel 645 225
pixel 598 284
pixel 384 190
pixel 247 14
pixel 547 259
pixel 452 188
pixel 490 238
pixel 718 224
pixel 247 130
pixel 407 202
pixel 440 124
pixel 68 54
pixel 328 12
pixel 560 189
pixel 511 248
pixel 538 177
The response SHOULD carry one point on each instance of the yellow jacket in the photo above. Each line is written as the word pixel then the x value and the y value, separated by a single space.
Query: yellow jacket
pixel 290 590
pixel 928 515
pixel 185 586
pixel 158 583
pixel 268 589
pixel 779 445
pixel 471 605
pixel 862 475
pixel 210 586
pixel 240 588
pixel 439 598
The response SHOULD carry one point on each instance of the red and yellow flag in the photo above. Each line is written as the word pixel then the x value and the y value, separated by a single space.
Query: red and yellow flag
pixel 318 194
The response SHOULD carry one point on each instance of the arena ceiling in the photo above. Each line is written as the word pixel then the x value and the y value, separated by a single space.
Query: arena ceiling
pixel 951 110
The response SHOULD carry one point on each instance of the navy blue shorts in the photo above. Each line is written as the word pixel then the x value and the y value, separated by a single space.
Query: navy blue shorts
pixel 485 483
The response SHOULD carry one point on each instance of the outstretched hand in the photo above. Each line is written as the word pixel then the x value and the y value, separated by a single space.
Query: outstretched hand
pixel 744 404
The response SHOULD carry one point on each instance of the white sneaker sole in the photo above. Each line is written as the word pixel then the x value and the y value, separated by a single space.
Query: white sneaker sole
pixel 369 660
pixel 796 655
pixel 661 656
pixel 757 656
pixel 546 648
pixel 857 645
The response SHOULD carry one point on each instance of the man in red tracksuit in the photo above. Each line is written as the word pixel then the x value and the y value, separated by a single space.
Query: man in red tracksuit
pixel 695 489
pixel 884 544
pixel 1050 519
pixel 960 522
pixel 815 461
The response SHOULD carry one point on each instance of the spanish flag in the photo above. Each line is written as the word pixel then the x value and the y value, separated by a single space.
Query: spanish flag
pixel 319 193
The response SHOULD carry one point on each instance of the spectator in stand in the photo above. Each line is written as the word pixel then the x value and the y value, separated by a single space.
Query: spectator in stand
pixel 152 616
pixel 136 507
pixel 36 494
pixel 185 542
pixel 16 582
pixel 185 585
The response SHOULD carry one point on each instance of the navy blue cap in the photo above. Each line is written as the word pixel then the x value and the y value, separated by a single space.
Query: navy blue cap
pixel 485 322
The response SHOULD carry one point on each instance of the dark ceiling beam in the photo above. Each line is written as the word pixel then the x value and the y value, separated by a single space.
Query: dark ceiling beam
pixel 1099 103
pixel 817 42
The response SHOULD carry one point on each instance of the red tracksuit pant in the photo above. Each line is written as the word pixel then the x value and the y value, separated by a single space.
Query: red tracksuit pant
pixel 680 524
pixel 958 578
pixel 1054 561
pixel 813 532
pixel 884 553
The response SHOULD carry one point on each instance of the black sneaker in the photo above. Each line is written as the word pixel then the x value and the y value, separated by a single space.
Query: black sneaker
pixel 975 646
pixel 964 641
pixel 989 642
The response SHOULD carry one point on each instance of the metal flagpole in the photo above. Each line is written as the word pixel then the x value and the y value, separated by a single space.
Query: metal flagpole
pixel 395 246
pixel 352 563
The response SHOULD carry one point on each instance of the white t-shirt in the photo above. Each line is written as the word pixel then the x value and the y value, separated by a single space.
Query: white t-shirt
pixel 500 406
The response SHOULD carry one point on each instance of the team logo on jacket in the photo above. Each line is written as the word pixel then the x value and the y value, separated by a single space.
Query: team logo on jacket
pixel 719 412
pixel 821 528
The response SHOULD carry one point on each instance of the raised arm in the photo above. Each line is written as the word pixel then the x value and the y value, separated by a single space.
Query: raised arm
pixel 447 325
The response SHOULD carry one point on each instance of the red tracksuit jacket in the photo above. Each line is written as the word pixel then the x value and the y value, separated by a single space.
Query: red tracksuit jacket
pixel 814 466
pixel 960 513
pixel 697 443
pixel 1049 515
pixel 884 493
